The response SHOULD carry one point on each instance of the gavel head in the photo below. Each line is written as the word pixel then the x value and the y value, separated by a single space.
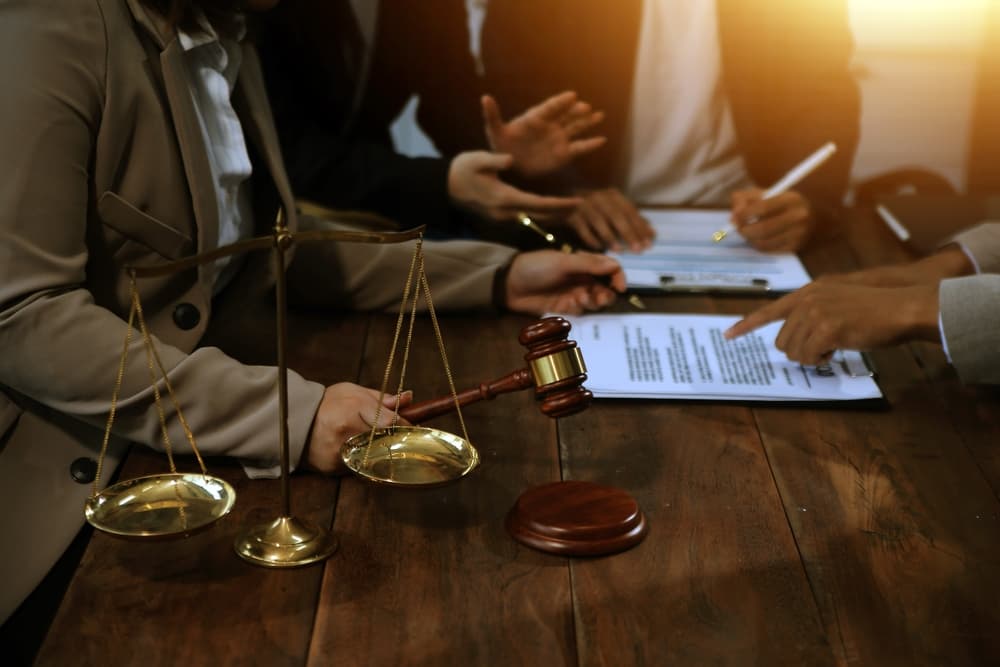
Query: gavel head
pixel 557 366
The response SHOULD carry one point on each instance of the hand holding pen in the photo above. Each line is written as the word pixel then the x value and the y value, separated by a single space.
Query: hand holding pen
pixel 634 300
pixel 778 219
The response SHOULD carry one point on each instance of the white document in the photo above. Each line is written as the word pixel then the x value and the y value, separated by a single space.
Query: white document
pixel 684 258
pixel 650 355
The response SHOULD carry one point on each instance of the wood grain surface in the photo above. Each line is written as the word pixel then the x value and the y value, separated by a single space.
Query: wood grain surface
pixel 777 536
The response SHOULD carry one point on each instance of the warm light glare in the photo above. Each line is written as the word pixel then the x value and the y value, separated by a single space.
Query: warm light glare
pixel 948 24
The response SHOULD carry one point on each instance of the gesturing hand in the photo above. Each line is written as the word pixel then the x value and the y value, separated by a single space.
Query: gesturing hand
pixel 474 184
pixel 346 409
pixel 542 139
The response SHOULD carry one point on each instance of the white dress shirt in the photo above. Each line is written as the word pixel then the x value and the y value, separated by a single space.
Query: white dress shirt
pixel 681 147
pixel 212 63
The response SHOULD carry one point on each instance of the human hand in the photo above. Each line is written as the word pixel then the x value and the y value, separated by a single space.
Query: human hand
pixel 949 262
pixel 606 219
pixel 474 184
pixel 346 409
pixel 541 140
pixel 551 281
pixel 826 316
pixel 782 223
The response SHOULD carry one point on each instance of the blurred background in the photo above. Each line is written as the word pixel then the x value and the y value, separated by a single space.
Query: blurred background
pixel 929 72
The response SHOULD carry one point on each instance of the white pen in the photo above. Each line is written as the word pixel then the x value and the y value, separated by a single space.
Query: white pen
pixel 789 180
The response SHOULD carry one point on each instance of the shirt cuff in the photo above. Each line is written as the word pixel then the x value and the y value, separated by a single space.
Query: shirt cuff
pixel 972 259
pixel 944 341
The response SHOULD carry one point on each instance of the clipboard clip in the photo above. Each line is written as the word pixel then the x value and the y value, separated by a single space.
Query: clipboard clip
pixel 867 368
pixel 712 283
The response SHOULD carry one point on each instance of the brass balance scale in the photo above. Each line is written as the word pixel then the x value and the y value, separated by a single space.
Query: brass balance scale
pixel 177 504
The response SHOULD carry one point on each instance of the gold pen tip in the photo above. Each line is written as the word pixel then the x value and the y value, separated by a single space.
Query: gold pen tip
pixel 719 235
pixel 636 302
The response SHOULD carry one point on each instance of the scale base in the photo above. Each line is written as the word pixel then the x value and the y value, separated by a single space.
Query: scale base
pixel 285 542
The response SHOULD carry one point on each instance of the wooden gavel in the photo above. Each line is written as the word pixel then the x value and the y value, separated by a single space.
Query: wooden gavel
pixel 555 369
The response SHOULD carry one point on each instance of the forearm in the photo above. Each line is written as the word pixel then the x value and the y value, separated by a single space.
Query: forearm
pixel 918 312
pixel 62 351
pixel 949 262
pixel 372 277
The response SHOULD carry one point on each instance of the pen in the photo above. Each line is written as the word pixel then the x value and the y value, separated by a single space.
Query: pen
pixel 526 220
pixel 789 180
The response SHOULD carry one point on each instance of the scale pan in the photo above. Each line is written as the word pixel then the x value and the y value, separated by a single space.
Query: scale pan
pixel 160 506
pixel 410 456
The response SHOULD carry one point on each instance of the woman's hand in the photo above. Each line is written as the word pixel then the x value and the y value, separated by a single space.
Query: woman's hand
pixel 474 184
pixel 550 281
pixel 346 409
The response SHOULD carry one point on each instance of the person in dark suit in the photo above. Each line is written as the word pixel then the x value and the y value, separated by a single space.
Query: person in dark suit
pixel 700 98
pixel 324 75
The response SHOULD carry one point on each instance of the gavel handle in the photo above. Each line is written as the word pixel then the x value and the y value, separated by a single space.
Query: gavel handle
pixel 421 412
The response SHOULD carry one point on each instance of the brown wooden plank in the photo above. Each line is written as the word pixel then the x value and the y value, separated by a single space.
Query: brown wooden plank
pixel 430 576
pixel 718 579
pixel 191 601
pixel 194 601
pixel 895 523
pixel 974 411
pixel 894 520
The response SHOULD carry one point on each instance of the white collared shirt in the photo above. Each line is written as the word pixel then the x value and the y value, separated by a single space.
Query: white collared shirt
pixel 212 64
pixel 680 141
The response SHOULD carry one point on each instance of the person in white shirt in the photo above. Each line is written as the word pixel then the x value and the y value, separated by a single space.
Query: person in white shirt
pixel 706 102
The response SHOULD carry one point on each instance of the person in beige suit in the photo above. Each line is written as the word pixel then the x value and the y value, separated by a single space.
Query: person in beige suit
pixel 952 297
pixel 125 141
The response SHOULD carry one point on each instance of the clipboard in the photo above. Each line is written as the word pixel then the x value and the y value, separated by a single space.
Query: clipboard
pixel 924 222
pixel 673 282
pixel 685 259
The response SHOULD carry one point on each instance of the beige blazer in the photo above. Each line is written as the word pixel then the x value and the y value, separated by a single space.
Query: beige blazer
pixel 104 166
pixel 970 309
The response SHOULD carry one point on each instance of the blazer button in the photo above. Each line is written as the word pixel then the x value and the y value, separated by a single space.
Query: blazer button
pixel 186 316
pixel 83 470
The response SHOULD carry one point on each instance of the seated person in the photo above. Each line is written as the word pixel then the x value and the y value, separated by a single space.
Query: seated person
pixel 705 103
pixel 952 297
pixel 336 158
pixel 140 134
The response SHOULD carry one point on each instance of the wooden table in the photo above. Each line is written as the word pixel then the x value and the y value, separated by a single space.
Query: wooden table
pixel 777 536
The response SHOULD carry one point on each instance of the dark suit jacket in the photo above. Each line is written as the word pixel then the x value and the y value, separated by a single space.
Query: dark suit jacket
pixel 784 66
pixel 313 78
pixel 422 48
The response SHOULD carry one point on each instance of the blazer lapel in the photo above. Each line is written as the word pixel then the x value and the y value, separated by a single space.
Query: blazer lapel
pixel 250 102
pixel 194 152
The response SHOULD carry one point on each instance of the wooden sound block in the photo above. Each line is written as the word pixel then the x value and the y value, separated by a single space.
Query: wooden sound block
pixel 576 518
